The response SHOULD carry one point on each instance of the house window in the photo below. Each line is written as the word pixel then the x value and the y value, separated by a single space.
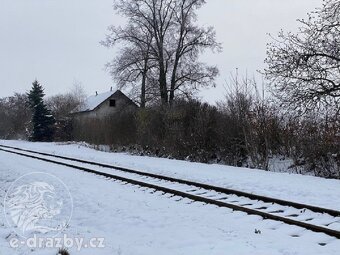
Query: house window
pixel 112 103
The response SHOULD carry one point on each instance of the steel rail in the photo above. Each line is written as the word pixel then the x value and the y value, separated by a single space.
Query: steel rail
pixel 192 183
pixel 264 215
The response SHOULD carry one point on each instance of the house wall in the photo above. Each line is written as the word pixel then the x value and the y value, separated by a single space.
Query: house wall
pixel 105 110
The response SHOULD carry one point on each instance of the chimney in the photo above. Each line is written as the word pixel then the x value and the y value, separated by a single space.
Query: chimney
pixel 96 93
pixel 111 89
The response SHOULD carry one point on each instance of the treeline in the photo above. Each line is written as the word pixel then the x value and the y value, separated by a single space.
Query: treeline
pixel 244 130
pixel 17 117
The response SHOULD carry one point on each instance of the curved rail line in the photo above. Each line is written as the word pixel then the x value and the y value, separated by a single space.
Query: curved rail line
pixel 191 193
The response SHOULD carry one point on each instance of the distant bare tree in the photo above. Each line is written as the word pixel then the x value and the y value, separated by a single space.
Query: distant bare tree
pixel 15 116
pixel 63 104
pixel 255 121
pixel 304 68
pixel 190 41
pixel 133 63
pixel 78 92
pixel 163 45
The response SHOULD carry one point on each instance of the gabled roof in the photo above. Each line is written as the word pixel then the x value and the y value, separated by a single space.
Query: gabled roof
pixel 92 102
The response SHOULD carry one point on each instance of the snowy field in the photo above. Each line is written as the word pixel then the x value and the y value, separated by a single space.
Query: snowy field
pixel 133 221
pixel 294 187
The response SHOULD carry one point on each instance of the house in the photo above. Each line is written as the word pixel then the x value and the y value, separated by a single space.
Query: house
pixel 104 105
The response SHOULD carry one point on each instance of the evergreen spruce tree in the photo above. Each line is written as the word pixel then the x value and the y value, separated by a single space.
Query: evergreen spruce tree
pixel 42 119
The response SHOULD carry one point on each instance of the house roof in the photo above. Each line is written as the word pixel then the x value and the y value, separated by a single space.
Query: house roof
pixel 92 102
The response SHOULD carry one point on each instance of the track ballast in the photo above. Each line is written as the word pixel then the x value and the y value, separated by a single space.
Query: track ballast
pixel 316 219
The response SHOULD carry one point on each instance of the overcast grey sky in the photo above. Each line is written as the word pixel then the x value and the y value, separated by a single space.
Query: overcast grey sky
pixel 57 41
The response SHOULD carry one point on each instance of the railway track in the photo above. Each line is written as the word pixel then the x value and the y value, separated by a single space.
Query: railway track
pixel 316 219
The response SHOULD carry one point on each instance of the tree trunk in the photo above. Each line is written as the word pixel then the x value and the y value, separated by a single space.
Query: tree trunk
pixel 173 83
pixel 143 87
pixel 142 96
pixel 163 88
pixel 162 79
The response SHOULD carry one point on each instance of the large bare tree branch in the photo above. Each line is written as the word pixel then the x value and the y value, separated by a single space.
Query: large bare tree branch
pixel 304 68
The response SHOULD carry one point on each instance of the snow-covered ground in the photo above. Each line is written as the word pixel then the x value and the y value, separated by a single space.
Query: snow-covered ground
pixel 133 221
pixel 294 187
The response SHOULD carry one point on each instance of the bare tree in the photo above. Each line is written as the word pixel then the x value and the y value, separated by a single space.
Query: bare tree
pixel 255 121
pixel 78 92
pixel 304 68
pixel 164 44
pixel 133 63
pixel 15 116
pixel 62 105
pixel 190 41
